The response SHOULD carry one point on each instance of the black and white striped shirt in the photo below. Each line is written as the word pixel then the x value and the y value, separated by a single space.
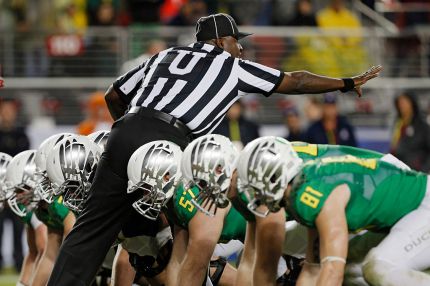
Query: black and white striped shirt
pixel 196 84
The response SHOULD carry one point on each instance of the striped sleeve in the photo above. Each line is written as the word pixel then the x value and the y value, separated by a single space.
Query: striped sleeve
pixel 258 78
pixel 129 83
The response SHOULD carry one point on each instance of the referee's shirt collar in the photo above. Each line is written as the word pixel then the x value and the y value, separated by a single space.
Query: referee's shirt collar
pixel 209 48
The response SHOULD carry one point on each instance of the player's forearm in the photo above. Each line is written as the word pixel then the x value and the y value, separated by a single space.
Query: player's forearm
pixel 309 274
pixel 192 273
pixel 123 273
pixel 331 274
pixel 43 271
pixel 307 82
pixel 243 277
pixel 27 269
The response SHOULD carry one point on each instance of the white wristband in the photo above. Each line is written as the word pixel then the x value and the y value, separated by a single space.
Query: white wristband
pixel 20 284
pixel 333 259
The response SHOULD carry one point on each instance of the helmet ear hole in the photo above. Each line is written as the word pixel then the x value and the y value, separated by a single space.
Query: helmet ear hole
pixel 202 184
pixel 166 177
pixel 273 178
pixel 218 169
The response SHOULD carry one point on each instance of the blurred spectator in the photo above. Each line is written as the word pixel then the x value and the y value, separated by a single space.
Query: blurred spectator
pixel 190 12
pixel 102 46
pixel 348 53
pixel 13 140
pixel 336 15
pixel 102 12
pixel 283 12
pixel 411 134
pixel 313 109
pixel 154 47
pixel 170 9
pixel 293 123
pixel 415 17
pixel 310 52
pixel 144 11
pixel 98 117
pixel 332 128
pixel 71 16
pixel 236 127
pixel 304 15
pixel 251 12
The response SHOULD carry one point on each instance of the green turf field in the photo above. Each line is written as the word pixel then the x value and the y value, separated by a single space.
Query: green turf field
pixel 8 277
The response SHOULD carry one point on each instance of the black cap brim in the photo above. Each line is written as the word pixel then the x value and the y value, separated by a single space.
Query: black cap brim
pixel 242 35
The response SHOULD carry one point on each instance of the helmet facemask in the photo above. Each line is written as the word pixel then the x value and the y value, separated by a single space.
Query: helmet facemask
pixel 44 187
pixel 73 165
pixel 211 196
pixel 154 173
pixel 211 161
pixel 4 162
pixel 271 165
pixel 75 193
pixel 151 202
pixel 3 193
pixel 154 196
pixel 22 199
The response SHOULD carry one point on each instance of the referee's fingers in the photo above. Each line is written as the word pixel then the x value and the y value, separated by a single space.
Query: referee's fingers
pixel 369 77
pixel 358 91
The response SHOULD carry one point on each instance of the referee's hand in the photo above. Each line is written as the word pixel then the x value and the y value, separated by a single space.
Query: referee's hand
pixel 361 79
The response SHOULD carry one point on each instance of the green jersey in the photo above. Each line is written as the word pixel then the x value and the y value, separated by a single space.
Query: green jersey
pixel 308 152
pixel 381 193
pixel 234 224
pixel 27 218
pixel 53 215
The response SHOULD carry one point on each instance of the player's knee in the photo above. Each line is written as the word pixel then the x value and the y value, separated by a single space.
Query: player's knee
pixel 376 271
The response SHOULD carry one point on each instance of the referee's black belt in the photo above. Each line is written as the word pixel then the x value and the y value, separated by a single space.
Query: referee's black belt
pixel 147 112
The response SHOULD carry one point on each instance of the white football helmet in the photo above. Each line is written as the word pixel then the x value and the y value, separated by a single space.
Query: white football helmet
pixel 4 162
pixel 100 138
pixel 154 169
pixel 44 187
pixel 265 168
pixel 70 167
pixel 208 163
pixel 21 196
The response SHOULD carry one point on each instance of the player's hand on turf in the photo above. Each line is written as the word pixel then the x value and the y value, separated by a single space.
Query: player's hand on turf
pixel 361 79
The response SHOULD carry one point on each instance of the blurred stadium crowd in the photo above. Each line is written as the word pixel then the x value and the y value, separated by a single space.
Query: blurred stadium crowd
pixel 52 38
pixel 87 43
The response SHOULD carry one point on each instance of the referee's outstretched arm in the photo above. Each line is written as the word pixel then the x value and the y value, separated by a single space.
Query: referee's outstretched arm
pixel 298 82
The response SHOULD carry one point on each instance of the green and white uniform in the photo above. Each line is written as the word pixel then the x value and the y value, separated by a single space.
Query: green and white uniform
pixel 383 196
pixel 31 220
pixel 234 223
pixel 381 193
pixel 53 215
pixel 308 152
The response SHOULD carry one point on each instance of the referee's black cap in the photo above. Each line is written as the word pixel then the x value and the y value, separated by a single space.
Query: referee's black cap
pixel 217 26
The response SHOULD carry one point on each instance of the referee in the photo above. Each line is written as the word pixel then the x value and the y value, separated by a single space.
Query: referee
pixel 177 95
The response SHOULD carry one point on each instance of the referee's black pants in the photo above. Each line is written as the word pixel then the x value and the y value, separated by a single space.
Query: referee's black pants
pixel 108 206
